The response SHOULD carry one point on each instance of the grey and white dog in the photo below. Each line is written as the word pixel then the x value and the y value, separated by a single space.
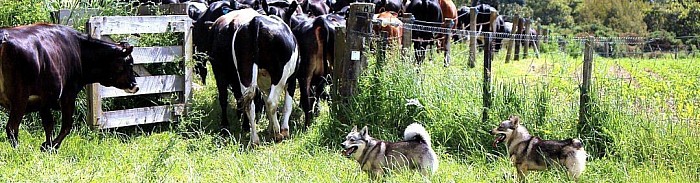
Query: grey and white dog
pixel 376 157
pixel 532 153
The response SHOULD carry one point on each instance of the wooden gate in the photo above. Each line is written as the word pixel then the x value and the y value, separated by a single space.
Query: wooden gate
pixel 100 27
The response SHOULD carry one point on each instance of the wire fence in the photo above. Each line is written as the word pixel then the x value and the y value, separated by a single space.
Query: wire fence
pixel 635 79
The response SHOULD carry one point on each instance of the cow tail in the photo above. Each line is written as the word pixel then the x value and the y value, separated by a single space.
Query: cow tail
pixel 249 93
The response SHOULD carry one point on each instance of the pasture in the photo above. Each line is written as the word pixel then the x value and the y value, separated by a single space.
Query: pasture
pixel 640 136
pixel 644 126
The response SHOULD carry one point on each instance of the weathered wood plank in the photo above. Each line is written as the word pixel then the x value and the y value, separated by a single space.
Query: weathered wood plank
pixel 148 85
pixel 147 55
pixel 68 17
pixel 189 52
pixel 138 116
pixel 106 25
pixel 163 9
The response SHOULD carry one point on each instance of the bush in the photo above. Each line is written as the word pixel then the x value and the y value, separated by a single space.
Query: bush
pixel 22 12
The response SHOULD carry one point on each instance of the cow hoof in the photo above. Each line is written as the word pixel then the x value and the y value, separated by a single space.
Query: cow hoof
pixel 47 147
pixel 279 137
pixel 284 133
pixel 14 144
pixel 225 133
pixel 254 143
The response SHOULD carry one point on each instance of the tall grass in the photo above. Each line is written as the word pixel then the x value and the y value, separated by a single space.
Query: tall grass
pixel 644 127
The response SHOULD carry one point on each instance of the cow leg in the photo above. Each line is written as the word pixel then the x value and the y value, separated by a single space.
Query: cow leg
pixel 67 109
pixel 318 93
pixel 17 109
pixel 304 87
pixel 288 102
pixel 250 111
pixel 223 104
pixel 48 123
pixel 271 105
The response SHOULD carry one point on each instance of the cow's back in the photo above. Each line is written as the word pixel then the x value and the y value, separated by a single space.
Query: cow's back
pixel 42 58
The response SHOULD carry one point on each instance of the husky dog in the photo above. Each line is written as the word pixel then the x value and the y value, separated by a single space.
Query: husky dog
pixel 376 156
pixel 532 153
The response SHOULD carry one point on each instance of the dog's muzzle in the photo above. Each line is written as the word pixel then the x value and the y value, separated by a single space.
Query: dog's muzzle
pixel 349 150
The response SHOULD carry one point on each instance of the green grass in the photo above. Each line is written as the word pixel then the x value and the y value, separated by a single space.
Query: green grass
pixel 636 135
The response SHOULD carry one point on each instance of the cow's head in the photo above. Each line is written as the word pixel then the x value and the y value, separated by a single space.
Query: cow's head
pixel 282 9
pixel 118 69
pixel 204 16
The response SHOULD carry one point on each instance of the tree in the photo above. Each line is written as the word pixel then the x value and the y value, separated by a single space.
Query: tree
pixel 552 12
pixel 620 15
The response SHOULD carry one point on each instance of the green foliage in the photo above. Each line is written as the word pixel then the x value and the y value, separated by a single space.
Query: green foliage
pixel 22 12
pixel 682 19
pixel 552 12
pixel 619 15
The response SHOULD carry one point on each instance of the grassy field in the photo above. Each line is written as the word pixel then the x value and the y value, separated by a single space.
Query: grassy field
pixel 644 128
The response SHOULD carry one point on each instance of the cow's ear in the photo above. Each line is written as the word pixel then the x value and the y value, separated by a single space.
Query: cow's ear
pixel 265 7
pixel 195 10
pixel 288 15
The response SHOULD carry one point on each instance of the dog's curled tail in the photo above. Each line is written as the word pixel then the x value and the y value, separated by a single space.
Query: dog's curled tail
pixel 416 131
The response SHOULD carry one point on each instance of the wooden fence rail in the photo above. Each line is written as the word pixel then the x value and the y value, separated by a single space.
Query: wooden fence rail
pixel 97 27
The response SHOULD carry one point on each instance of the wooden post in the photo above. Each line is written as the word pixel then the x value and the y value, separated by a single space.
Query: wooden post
pixel 539 39
pixel 449 23
pixel 492 24
pixel 492 20
pixel 92 90
pixel 585 100
pixel 472 37
pixel 341 56
pixel 188 48
pixel 511 42
pixel 528 37
pixel 359 24
pixel 381 52
pixel 488 58
pixel 407 39
pixel 519 39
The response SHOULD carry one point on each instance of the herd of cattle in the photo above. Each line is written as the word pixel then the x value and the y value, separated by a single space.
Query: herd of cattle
pixel 256 49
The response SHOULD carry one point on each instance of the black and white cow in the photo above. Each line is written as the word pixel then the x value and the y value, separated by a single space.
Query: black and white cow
pixel 264 54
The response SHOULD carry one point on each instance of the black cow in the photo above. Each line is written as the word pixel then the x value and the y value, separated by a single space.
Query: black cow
pixel 508 28
pixel 388 5
pixel 483 17
pixel 427 13
pixel 43 67
pixel 258 48
pixel 315 7
pixel 316 38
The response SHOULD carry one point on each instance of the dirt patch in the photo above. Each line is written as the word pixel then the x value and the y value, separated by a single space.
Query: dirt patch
pixel 624 75
pixel 653 74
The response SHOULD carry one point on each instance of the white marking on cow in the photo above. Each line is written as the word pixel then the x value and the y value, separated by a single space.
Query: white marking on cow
pixel 287 110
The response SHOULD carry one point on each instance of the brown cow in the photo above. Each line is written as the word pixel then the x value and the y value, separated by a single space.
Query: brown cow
pixel 449 10
pixel 389 23
pixel 43 67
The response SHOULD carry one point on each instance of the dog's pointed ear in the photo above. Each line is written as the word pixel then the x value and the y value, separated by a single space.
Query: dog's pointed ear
pixel 364 130
pixel 354 129
pixel 515 120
